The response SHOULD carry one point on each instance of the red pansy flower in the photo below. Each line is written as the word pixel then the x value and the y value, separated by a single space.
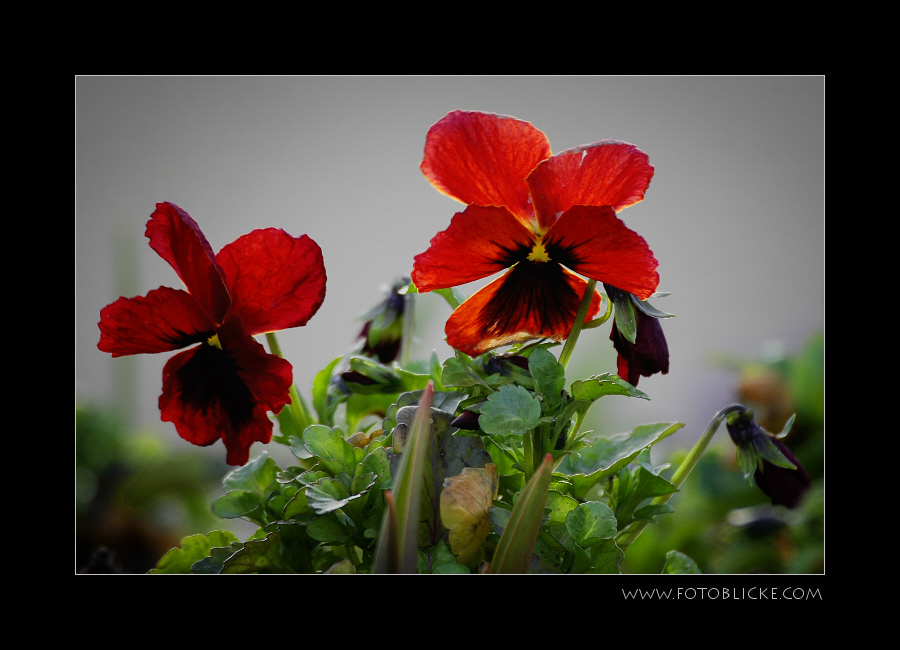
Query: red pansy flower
pixel 540 216
pixel 263 282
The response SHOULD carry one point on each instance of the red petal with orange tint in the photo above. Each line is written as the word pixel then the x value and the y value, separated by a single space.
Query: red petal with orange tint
pixel 166 319
pixel 178 240
pixel 483 159
pixel 594 242
pixel 276 281
pixel 603 173
pixel 479 242
pixel 533 300
pixel 211 393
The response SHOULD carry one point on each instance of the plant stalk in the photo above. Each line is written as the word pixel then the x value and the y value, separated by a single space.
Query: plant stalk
pixel 578 325
pixel 628 536
pixel 299 410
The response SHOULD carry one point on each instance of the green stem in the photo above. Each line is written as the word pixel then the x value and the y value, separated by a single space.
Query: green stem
pixel 528 452
pixel 578 324
pixel 629 535
pixel 299 410
pixel 408 323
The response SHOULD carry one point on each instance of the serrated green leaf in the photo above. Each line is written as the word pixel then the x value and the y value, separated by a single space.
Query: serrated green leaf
pixel 510 410
pixel 328 495
pixel 603 456
pixel 235 503
pixel 595 387
pixel 193 548
pixel 328 446
pixel 591 522
pixel 284 549
pixel 549 378
pixel 256 476
pixel 679 563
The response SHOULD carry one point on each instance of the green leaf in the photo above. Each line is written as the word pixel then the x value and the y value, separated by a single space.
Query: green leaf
pixel 510 410
pixel 602 457
pixel 516 545
pixel 598 386
pixel 193 549
pixel 591 522
pixel 256 476
pixel 626 319
pixel 679 563
pixel 765 448
pixel 649 512
pixel 235 503
pixel 325 400
pixel 328 528
pixel 328 495
pixel 284 549
pixel 327 444
pixel 549 378
pixel 457 373
pixel 649 309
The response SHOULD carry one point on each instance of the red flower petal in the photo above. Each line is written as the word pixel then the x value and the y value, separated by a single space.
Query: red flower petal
pixel 593 241
pixel 166 319
pixel 178 240
pixel 603 173
pixel 532 300
pixel 479 242
pixel 211 393
pixel 483 159
pixel 276 281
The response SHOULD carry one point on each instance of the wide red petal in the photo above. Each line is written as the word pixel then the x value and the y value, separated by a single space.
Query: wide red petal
pixel 483 159
pixel 211 393
pixel 479 242
pixel 603 173
pixel 165 320
pixel 178 240
pixel 276 281
pixel 532 300
pixel 594 242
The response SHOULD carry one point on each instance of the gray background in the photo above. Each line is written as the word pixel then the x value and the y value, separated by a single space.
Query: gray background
pixel 734 213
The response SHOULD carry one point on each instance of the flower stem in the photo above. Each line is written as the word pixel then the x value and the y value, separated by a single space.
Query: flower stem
pixel 578 324
pixel 630 534
pixel 299 410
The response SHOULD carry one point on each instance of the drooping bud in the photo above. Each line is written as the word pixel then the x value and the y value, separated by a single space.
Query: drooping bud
pixel 774 468
pixel 382 334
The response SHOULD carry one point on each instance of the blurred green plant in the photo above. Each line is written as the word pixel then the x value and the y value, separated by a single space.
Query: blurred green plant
pixel 723 526
pixel 133 497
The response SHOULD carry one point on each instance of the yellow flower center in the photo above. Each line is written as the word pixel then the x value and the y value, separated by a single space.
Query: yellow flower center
pixel 214 341
pixel 538 253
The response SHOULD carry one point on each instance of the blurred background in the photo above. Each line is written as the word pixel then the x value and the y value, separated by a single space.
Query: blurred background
pixel 734 214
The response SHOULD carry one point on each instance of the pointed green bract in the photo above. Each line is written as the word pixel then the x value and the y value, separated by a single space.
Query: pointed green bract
pixel 516 545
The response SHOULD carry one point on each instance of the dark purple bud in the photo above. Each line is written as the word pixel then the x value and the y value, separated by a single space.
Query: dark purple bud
pixel 466 420
pixel 784 486
pixel 648 355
